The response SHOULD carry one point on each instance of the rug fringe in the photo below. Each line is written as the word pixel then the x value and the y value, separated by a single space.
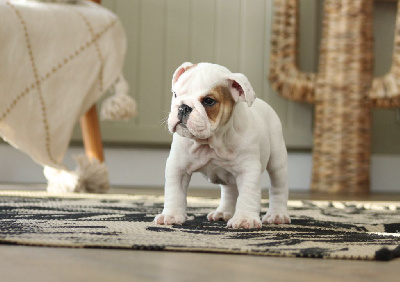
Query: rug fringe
pixel 90 176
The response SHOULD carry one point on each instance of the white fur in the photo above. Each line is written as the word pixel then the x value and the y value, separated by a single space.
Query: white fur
pixel 233 155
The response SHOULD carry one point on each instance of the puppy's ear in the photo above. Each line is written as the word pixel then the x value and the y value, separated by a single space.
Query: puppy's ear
pixel 179 71
pixel 241 89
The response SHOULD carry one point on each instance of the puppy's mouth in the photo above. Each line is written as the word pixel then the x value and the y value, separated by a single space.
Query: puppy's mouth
pixel 193 126
pixel 182 129
pixel 181 124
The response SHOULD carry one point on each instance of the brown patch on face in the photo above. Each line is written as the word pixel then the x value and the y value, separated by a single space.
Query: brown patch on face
pixel 222 110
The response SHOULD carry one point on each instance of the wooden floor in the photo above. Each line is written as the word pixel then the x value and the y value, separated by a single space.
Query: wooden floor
pixel 23 263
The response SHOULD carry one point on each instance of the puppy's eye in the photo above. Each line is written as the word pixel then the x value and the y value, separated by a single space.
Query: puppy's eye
pixel 174 94
pixel 209 102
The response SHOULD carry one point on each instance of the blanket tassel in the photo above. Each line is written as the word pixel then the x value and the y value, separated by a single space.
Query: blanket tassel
pixel 90 176
pixel 120 106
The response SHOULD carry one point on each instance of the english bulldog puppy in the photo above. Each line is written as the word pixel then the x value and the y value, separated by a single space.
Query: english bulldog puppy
pixel 223 131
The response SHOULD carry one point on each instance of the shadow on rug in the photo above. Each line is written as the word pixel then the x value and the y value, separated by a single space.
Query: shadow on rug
pixel 319 229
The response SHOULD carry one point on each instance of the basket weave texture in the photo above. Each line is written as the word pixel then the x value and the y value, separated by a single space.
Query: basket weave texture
pixel 343 91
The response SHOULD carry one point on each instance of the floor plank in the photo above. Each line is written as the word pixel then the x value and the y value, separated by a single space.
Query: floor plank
pixel 294 195
pixel 215 193
pixel 19 263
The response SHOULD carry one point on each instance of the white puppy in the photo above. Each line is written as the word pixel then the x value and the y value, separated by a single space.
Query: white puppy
pixel 221 130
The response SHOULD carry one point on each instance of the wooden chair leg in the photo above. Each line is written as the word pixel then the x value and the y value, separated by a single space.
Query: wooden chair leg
pixel 91 134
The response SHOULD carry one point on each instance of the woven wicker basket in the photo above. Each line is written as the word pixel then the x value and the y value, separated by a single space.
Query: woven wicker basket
pixel 343 90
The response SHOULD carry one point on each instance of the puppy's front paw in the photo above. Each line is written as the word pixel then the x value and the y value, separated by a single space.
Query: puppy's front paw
pixel 276 217
pixel 245 221
pixel 217 215
pixel 169 219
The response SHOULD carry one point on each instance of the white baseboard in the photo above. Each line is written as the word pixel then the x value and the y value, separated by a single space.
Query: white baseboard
pixel 145 167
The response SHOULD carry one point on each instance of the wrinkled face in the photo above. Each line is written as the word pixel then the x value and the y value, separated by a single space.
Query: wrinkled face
pixel 203 99
pixel 200 116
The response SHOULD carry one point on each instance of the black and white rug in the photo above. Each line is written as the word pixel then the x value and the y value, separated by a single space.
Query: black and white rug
pixel 319 229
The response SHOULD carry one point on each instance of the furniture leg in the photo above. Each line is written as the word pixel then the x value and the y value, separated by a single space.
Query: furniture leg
pixel 91 133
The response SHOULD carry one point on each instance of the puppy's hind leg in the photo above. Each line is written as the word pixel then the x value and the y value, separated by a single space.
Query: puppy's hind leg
pixel 279 192
pixel 226 208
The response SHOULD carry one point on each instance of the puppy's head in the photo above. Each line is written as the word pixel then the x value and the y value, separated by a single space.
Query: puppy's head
pixel 203 99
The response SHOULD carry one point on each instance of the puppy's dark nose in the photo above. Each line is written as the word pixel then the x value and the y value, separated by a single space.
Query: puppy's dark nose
pixel 184 111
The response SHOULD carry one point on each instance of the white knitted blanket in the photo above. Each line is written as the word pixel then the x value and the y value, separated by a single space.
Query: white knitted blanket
pixel 56 61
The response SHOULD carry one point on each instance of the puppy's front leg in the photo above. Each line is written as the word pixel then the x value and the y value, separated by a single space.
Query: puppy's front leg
pixel 248 206
pixel 175 201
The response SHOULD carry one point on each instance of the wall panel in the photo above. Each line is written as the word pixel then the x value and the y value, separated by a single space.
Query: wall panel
pixel 162 34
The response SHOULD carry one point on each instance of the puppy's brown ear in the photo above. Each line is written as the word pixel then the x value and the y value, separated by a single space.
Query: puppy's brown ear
pixel 241 89
pixel 179 71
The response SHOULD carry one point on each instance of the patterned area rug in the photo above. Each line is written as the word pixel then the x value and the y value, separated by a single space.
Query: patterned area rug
pixel 319 229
